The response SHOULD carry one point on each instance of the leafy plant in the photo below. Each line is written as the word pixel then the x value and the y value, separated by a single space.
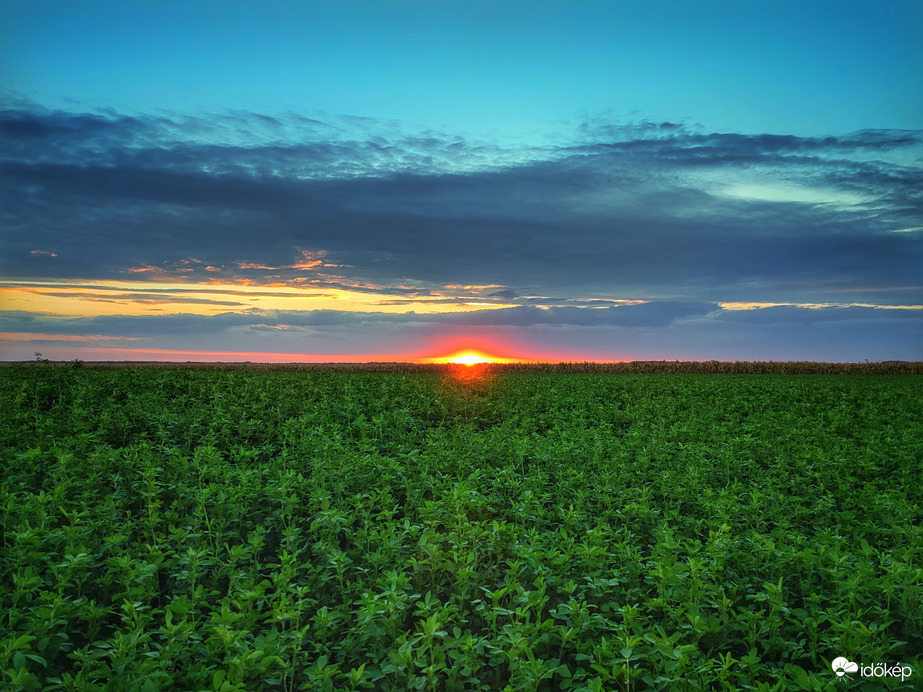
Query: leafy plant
pixel 556 528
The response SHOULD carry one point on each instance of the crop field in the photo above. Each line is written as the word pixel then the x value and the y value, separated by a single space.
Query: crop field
pixel 458 529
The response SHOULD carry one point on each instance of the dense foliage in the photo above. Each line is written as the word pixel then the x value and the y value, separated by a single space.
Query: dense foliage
pixel 457 530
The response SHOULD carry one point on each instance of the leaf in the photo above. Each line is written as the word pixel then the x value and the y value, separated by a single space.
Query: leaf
pixel 38 659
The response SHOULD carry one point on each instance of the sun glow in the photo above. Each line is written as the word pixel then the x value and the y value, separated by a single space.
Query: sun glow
pixel 469 352
pixel 466 357
pixel 470 358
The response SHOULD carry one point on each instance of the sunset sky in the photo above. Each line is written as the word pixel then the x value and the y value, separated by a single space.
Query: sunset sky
pixel 400 180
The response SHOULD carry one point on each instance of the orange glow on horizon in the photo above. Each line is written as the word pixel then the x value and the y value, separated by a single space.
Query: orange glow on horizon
pixel 466 358
pixel 102 348
pixel 469 357
pixel 175 355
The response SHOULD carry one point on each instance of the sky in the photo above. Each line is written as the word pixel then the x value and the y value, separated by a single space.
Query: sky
pixel 394 181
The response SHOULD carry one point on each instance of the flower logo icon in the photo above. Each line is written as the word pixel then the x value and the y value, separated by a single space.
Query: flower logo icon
pixel 841 666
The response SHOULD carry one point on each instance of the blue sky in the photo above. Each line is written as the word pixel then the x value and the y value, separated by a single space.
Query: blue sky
pixel 510 68
pixel 388 180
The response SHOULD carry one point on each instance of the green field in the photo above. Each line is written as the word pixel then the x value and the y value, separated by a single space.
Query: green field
pixel 318 530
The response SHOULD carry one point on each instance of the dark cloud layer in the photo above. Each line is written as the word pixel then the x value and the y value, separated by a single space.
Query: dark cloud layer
pixel 640 210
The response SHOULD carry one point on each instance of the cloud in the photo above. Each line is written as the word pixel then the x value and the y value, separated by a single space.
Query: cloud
pixel 639 210
pixel 655 314
pixel 671 330
pixel 782 315
pixel 138 297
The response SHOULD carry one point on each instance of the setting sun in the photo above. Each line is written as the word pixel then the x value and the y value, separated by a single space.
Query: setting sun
pixel 470 358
